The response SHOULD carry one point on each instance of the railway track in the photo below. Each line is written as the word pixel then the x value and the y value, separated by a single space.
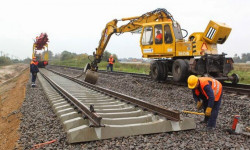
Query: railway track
pixel 90 112
pixel 241 89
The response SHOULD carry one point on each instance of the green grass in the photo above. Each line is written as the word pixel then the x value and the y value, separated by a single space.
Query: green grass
pixel 243 70
pixel 132 68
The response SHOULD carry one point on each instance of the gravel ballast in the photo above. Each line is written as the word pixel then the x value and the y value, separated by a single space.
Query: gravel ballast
pixel 40 124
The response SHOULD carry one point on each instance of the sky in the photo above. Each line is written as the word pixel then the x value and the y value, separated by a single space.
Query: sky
pixel 76 25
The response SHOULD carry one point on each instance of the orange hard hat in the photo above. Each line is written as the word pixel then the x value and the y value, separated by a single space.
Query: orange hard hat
pixel 33 57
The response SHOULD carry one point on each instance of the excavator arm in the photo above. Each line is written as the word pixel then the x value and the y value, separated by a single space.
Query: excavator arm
pixel 135 23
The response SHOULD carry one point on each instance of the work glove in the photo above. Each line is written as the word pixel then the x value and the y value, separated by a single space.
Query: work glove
pixel 199 104
pixel 208 111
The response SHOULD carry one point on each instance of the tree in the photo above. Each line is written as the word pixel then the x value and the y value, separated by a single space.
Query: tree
pixel 65 55
pixel 236 58
pixel 245 57
pixel 107 54
pixel 5 60
pixel 27 60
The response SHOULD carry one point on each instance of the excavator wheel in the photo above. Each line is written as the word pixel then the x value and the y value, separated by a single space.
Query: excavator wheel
pixel 159 71
pixel 91 77
pixel 236 78
pixel 164 68
pixel 179 70
pixel 155 69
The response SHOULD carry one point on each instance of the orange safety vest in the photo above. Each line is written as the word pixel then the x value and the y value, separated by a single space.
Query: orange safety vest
pixel 34 62
pixel 159 36
pixel 216 87
pixel 111 61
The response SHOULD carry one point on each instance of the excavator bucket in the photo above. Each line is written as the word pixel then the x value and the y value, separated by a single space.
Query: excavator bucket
pixel 87 67
pixel 90 76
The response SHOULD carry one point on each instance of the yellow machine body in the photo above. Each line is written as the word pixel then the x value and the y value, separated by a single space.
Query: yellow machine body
pixel 197 45
pixel 163 42
pixel 42 58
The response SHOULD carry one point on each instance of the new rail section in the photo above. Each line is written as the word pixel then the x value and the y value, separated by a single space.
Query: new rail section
pixel 89 112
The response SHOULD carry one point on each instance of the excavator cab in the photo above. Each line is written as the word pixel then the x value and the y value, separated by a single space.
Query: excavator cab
pixel 158 39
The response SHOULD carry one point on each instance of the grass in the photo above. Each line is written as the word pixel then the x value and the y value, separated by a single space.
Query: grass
pixel 133 68
pixel 243 70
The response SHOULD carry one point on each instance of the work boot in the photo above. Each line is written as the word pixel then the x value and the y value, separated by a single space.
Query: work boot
pixel 205 120
pixel 33 85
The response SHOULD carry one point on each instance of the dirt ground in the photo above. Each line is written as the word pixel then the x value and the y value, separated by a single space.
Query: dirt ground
pixel 10 71
pixel 12 95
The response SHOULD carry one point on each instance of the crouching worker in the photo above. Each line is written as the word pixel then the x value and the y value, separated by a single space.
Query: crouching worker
pixel 207 92
pixel 111 61
pixel 34 70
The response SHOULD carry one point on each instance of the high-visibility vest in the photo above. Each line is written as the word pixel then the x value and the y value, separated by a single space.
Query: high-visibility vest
pixel 159 36
pixel 111 61
pixel 34 62
pixel 216 87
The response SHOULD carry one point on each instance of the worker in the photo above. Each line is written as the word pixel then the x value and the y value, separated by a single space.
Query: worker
pixel 158 38
pixel 207 92
pixel 111 61
pixel 34 70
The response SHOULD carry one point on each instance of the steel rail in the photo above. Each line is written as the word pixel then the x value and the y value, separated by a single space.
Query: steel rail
pixel 169 114
pixel 243 89
pixel 94 118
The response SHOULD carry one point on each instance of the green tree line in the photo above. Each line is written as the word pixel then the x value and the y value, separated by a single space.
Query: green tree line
pixel 243 59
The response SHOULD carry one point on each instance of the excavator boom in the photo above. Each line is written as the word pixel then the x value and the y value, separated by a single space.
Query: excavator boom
pixel 158 15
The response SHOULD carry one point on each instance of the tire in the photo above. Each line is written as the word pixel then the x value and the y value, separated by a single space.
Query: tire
pixel 187 63
pixel 155 71
pixel 179 70
pixel 164 74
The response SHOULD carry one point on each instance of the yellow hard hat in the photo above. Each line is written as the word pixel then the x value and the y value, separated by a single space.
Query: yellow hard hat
pixel 192 81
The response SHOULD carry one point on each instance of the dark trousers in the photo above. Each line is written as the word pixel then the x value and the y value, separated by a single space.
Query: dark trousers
pixel 211 121
pixel 110 66
pixel 33 77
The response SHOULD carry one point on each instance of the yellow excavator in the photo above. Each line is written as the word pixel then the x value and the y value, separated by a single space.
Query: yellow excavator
pixel 162 40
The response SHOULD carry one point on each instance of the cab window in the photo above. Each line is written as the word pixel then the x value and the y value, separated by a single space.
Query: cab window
pixel 167 33
pixel 158 34
pixel 147 37
pixel 177 31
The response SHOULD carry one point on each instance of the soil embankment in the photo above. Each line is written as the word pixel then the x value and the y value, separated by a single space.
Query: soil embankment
pixel 12 95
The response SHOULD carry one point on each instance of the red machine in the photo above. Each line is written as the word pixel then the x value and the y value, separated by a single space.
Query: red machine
pixel 40 44
pixel 41 41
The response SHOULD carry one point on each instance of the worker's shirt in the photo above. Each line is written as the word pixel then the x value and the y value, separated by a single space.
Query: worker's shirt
pixel 159 36
pixel 111 61
pixel 209 89
pixel 34 67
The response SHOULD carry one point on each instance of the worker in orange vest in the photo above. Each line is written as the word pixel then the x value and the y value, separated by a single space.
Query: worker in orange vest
pixel 207 92
pixel 33 70
pixel 111 61
pixel 158 38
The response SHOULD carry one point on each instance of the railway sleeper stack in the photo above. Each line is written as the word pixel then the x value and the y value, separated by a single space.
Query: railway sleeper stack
pixel 118 117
